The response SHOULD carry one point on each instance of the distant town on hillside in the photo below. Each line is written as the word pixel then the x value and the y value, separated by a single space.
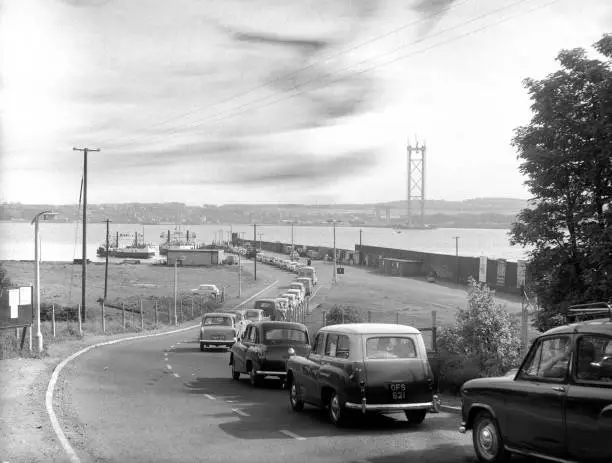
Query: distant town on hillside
pixel 472 213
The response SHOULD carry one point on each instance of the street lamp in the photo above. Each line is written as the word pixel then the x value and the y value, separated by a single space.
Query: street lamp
pixel 334 222
pixel 35 220
pixel 181 258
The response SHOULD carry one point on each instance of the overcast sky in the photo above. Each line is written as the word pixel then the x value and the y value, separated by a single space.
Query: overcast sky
pixel 272 100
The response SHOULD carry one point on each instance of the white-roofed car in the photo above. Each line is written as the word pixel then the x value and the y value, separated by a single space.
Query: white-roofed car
pixel 207 291
pixel 218 329
pixel 363 367
pixel 299 286
pixel 297 293
pixel 292 300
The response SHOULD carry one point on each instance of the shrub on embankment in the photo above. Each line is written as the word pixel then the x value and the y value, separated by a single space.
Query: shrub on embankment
pixel 483 341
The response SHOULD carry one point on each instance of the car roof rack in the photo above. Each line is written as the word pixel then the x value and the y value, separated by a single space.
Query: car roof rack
pixel 590 310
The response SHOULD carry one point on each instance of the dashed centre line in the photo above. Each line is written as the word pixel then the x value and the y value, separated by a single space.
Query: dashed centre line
pixel 169 367
pixel 291 434
pixel 240 412
pixel 210 397
pixel 176 375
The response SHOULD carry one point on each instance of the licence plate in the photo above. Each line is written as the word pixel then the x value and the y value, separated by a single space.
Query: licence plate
pixel 398 391
pixel 218 337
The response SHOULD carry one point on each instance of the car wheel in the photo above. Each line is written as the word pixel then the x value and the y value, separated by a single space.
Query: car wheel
pixel 297 405
pixel 254 378
pixel 337 413
pixel 235 374
pixel 202 347
pixel 488 443
pixel 415 416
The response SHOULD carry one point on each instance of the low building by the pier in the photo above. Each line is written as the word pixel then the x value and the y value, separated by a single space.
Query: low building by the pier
pixel 196 257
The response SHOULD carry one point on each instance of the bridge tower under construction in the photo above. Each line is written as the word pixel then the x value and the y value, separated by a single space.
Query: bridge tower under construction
pixel 416 185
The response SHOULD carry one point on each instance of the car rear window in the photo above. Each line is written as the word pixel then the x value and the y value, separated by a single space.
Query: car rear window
pixel 265 305
pixel 282 335
pixel 390 347
pixel 224 321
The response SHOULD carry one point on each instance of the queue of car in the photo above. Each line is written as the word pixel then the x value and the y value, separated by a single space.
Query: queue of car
pixel 556 406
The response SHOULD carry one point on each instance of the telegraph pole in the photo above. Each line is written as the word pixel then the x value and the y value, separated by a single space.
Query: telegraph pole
pixel 260 235
pixel 360 248
pixel 84 256
pixel 106 264
pixel 255 246
pixel 335 252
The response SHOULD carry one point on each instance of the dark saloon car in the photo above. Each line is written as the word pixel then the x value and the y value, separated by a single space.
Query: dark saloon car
pixel 557 406
pixel 367 367
pixel 264 349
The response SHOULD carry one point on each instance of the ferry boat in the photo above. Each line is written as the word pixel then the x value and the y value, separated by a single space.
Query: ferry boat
pixel 177 240
pixel 134 249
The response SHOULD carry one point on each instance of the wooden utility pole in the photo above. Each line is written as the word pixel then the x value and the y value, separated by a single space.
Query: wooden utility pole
pixel 360 248
pixel 106 264
pixel 255 246
pixel 84 256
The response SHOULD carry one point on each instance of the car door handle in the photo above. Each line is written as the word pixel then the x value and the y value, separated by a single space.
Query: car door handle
pixel 559 389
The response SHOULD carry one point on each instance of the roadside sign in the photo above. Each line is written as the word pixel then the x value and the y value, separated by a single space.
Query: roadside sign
pixel 340 270
pixel 16 307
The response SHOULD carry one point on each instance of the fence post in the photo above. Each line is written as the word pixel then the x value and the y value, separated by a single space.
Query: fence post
pixel 123 315
pixel 182 316
pixel 434 331
pixel 156 315
pixel 397 318
pixel 103 318
pixel 169 316
pixel 342 310
pixel 53 318
pixel 80 325
pixel 369 316
pixel 141 317
pixel 191 306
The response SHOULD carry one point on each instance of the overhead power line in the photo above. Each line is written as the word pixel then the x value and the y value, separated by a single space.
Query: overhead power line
pixel 249 106
pixel 311 65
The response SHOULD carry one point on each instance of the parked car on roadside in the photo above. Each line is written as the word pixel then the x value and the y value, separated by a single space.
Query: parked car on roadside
pixel 309 272
pixel 270 308
pixel 218 329
pixel 298 295
pixel 300 287
pixel 254 315
pixel 264 350
pixel 558 405
pixel 307 282
pixel 367 367
pixel 207 291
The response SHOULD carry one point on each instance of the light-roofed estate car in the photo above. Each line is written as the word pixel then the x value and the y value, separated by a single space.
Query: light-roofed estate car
pixel 207 290
pixel 299 286
pixel 218 329
pixel 363 367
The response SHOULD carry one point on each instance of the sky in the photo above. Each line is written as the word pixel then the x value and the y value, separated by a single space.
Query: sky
pixel 273 101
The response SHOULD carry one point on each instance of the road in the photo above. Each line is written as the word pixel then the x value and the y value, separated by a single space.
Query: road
pixel 161 399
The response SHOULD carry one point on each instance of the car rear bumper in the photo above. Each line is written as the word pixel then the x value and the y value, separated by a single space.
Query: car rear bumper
pixel 365 407
pixel 216 342
pixel 270 373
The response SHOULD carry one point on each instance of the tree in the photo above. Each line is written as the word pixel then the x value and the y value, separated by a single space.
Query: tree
pixel 340 314
pixel 484 335
pixel 5 282
pixel 566 155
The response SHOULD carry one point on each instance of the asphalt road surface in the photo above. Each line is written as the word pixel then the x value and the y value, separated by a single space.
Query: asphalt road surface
pixel 162 400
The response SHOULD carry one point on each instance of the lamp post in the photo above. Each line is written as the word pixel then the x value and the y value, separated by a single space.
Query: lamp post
pixel 334 222
pixel 35 220
pixel 181 258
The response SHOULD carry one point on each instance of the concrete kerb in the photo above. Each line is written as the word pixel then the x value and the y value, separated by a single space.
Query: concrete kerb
pixel 58 369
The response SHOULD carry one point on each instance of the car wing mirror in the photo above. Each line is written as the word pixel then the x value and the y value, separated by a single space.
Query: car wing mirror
pixel 605 362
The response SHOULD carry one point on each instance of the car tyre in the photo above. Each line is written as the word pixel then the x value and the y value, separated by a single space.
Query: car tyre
pixel 254 378
pixel 235 374
pixel 202 348
pixel 337 413
pixel 297 405
pixel 487 439
pixel 415 416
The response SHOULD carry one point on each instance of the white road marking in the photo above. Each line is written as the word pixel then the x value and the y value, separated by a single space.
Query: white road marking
pixel 255 295
pixel 240 412
pixel 231 401
pixel 176 375
pixel 210 397
pixel 169 367
pixel 290 434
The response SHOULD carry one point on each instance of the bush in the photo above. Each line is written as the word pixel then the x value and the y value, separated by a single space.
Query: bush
pixel 484 341
pixel 338 315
